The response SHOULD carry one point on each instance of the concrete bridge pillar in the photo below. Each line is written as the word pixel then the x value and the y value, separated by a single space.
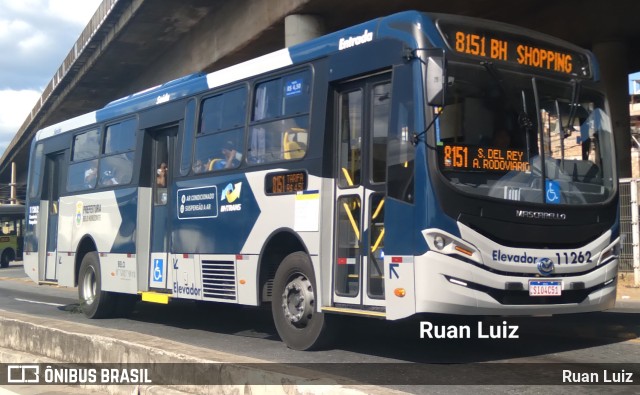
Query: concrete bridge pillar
pixel 299 28
pixel 613 59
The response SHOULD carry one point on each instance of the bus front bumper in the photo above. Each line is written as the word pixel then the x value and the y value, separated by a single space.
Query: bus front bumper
pixel 444 284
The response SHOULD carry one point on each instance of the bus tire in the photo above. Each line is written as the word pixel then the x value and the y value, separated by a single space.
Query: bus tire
pixel 293 305
pixel 94 302
pixel 7 256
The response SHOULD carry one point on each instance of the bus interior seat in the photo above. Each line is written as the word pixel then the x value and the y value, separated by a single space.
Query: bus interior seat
pixel 293 146
pixel 212 164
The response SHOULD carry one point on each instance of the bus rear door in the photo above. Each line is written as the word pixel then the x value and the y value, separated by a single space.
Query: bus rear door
pixel 53 181
pixel 361 127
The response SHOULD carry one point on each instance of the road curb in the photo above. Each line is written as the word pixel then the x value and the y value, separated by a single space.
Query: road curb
pixel 48 340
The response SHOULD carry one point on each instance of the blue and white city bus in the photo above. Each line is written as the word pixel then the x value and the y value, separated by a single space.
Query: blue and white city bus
pixel 417 163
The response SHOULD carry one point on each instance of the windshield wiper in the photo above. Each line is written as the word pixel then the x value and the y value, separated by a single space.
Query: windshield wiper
pixel 561 131
pixel 575 95
pixel 526 123
pixel 543 170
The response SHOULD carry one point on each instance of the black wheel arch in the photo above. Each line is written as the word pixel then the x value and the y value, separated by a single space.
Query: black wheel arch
pixel 280 243
pixel 86 245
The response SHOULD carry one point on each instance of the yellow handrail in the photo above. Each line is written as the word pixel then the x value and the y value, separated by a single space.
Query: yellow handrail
pixel 352 220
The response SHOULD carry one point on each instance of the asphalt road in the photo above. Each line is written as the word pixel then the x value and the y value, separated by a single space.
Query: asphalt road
pixel 608 337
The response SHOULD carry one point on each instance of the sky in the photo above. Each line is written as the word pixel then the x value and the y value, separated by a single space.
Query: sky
pixel 35 37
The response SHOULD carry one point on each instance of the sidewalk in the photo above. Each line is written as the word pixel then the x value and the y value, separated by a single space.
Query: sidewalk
pixel 46 390
pixel 30 339
pixel 626 289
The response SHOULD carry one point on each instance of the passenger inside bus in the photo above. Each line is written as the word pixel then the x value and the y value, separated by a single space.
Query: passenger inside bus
pixel 229 159
pixel 108 178
pixel 198 167
pixel 90 176
pixel 161 176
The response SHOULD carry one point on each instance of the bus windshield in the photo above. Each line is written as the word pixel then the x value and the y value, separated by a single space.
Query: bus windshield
pixel 498 128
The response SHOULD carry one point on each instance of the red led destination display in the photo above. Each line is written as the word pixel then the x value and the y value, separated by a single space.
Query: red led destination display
pixel 515 49
pixel 465 157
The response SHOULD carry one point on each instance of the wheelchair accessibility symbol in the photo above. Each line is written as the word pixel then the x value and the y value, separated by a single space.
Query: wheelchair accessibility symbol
pixel 158 270
pixel 553 192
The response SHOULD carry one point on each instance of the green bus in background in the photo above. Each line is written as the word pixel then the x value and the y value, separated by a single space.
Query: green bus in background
pixel 11 233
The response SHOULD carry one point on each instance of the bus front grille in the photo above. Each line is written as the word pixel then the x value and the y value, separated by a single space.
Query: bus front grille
pixel 219 280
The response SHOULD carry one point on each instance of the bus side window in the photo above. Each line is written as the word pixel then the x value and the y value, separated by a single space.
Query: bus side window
pixel 220 135
pixel 400 149
pixel 82 175
pixel 36 171
pixel 280 119
pixel 119 144
pixel 116 169
pixel 186 138
pixel 380 105
pixel 279 140
pixel 350 150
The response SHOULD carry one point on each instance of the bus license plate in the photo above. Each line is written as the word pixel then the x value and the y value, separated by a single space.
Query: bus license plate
pixel 545 288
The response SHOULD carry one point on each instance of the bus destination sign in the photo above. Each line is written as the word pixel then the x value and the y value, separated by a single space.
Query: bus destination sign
pixel 515 49
pixel 464 157
pixel 285 182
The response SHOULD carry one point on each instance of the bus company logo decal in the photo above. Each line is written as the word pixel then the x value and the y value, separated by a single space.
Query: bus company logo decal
pixel 33 215
pixel 79 206
pixel 230 194
pixel 163 98
pixel 545 266
pixel 186 289
pixel 199 202
pixel 500 256
pixel 540 215
pixel 346 43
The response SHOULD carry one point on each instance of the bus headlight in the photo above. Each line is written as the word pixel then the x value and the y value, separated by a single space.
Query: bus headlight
pixel 611 252
pixel 438 241
pixel 447 244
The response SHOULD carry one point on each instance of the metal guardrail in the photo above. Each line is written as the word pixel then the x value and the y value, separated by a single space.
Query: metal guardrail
pixel 626 227
pixel 629 224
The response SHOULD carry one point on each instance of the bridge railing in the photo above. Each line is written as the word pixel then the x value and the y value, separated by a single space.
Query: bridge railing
pixel 71 59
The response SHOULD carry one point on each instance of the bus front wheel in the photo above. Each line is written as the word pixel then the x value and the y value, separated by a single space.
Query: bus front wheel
pixel 7 256
pixel 294 307
pixel 95 302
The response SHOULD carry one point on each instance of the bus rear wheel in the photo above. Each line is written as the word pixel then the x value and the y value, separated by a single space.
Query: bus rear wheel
pixel 294 306
pixel 95 302
pixel 7 256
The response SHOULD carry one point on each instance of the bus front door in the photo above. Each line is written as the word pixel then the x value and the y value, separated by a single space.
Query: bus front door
pixel 53 181
pixel 361 125
pixel 163 142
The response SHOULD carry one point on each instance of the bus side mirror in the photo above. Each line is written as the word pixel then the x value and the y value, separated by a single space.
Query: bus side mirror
pixel 436 80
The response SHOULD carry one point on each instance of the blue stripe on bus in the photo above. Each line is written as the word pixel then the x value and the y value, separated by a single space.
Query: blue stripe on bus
pixel 125 241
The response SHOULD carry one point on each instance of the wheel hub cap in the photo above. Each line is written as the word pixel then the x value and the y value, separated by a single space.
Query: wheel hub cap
pixel 298 301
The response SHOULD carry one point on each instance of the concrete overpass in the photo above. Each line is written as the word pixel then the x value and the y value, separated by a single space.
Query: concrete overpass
pixel 130 45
